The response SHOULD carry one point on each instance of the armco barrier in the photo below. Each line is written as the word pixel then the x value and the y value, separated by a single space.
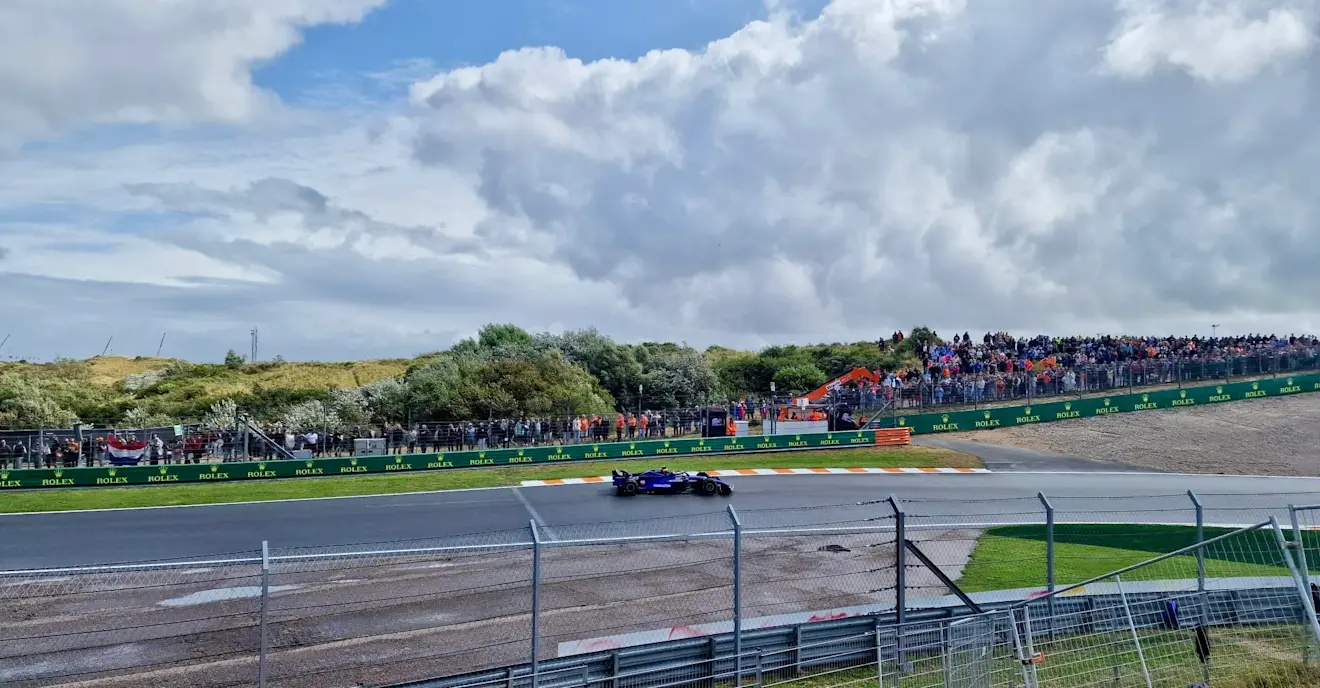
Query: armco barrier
pixel 256 470
pixel 1005 416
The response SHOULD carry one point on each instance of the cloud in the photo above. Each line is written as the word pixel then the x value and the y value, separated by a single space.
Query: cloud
pixel 1218 42
pixel 66 64
pixel 913 160
pixel 1063 167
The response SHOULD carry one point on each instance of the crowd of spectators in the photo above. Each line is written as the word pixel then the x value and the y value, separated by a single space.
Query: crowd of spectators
pixel 963 370
pixel 1000 367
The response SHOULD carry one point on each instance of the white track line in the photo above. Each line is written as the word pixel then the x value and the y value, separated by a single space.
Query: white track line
pixel 742 472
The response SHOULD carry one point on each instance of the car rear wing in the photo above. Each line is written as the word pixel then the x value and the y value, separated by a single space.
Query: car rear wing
pixel 619 474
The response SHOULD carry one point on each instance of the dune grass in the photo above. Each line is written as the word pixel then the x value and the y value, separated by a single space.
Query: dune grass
pixel 218 493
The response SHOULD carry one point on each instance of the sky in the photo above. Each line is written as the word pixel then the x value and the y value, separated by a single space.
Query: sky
pixel 372 178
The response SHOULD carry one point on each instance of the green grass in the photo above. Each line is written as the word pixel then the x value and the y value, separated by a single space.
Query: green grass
pixel 1014 556
pixel 1259 657
pixel 219 493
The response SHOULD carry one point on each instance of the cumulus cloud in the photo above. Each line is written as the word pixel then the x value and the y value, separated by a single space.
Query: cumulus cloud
pixel 67 63
pixel 1061 167
pixel 913 160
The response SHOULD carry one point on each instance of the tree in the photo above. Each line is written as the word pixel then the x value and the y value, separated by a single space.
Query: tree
pixel 496 336
pixel 797 378
pixel 233 360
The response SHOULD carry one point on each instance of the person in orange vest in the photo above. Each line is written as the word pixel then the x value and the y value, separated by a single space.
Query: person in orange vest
pixel 642 423
pixel 632 426
pixel 731 428
pixel 619 424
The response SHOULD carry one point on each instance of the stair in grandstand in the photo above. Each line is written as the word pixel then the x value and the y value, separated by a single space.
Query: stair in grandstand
pixel 276 447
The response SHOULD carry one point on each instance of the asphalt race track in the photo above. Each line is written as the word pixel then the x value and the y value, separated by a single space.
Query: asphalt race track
pixel 585 511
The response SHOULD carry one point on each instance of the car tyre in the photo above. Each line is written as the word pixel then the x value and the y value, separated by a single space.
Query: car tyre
pixel 709 487
pixel 628 489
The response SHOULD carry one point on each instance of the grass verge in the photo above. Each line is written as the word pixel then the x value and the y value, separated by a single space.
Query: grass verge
pixel 221 493
pixel 1259 657
pixel 1014 556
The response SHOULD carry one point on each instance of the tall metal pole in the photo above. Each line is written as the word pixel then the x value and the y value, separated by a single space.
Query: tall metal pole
pixel 1200 537
pixel 1300 545
pixel 265 613
pixel 1132 627
pixel 1049 554
pixel 536 601
pixel 737 595
pixel 1307 604
pixel 900 584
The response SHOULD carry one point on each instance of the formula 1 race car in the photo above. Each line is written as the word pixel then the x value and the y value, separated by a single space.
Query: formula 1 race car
pixel 664 481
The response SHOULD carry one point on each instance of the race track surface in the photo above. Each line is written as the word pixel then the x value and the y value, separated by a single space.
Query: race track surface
pixel 588 511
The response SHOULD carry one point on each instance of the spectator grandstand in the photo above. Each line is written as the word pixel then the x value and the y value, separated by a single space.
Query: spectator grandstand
pixel 996 368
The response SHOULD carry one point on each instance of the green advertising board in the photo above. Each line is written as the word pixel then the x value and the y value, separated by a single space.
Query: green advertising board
pixel 925 423
pixel 1008 416
pixel 365 465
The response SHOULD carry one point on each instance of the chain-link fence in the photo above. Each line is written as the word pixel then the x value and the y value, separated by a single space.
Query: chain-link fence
pixel 908 592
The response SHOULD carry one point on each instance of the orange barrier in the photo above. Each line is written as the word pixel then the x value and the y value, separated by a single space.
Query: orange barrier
pixel 893 437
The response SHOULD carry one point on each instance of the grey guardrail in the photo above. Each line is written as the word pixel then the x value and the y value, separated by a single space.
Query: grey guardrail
pixel 1251 601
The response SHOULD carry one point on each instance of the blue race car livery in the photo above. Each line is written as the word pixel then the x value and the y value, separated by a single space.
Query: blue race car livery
pixel 665 481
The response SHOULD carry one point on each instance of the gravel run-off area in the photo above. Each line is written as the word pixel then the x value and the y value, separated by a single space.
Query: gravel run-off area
pixel 386 619
pixel 1277 436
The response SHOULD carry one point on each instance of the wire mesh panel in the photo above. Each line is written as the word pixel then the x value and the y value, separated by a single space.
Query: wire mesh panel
pixel 636 590
pixel 969 652
pixel 1164 623
pixel 189 623
pixel 399 611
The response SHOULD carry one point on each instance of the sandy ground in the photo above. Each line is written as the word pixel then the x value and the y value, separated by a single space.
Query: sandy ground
pixel 390 619
pixel 1279 436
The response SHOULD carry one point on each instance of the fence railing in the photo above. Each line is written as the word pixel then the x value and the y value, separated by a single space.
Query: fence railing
pixel 384 613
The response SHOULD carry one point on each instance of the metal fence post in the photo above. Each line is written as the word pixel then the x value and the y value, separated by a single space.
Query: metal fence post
pixel 1132 627
pixel 1307 607
pixel 536 601
pixel 1049 555
pixel 265 613
pixel 900 584
pixel 1300 545
pixel 1200 537
pixel 737 595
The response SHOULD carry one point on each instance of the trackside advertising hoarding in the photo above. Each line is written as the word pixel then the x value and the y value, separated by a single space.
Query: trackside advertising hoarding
pixel 259 470
pixel 1008 416
pixel 957 421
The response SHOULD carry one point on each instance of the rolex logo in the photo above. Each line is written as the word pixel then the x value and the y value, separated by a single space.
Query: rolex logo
pixel 1183 394
pixel 631 445
pixel 481 455
pixel 1027 410
pixel 701 443
pixel 1219 390
pixel 352 462
pixel 595 447
pixel 1067 406
pixel 829 436
pixel 1255 385
pixel 559 450
pixel 945 418
pixel 59 474
pixel 4 475
pixel 261 466
pixel 1145 398
pixel 1289 381
pixel 112 471
pixel 797 437
pixel 308 464
pixel 666 443
pixel 162 470
pixel 214 468
pixel 902 422
pixel 520 452
pixel 987 415
pixel 1106 402
pixel 398 459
